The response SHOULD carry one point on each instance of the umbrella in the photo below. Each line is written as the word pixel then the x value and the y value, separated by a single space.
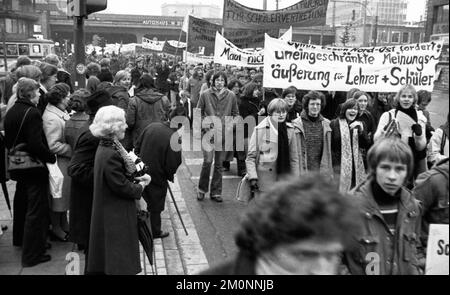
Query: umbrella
pixel 3 181
pixel 145 234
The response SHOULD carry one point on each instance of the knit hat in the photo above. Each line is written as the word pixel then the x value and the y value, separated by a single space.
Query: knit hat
pixel 97 100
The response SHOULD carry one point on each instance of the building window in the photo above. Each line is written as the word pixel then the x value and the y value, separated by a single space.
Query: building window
pixel 37 28
pixel 24 49
pixel 11 49
pixel 382 37
pixel 395 37
pixel 8 25
pixel 405 37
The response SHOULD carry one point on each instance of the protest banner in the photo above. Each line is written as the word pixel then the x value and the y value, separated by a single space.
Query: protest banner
pixel 194 59
pixel 152 45
pixel 201 34
pixel 227 53
pixel 172 50
pixel 305 13
pixel 371 69
pixel 437 250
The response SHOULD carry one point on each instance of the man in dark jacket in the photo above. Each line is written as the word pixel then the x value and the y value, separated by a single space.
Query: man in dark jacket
pixel 81 169
pixel 390 216
pixel 432 190
pixel 162 76
pixel 157 149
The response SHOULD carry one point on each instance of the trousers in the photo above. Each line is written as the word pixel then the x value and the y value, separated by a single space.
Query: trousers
pixel 31 217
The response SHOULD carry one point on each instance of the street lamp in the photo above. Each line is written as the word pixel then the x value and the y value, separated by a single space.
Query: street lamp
pixel 366 9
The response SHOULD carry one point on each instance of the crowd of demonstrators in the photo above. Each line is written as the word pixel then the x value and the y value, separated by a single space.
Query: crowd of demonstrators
pixel 374 147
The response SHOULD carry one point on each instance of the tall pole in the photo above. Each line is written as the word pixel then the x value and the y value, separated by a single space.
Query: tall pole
pixel 5 59
pixel 264 4
pixel 79 50
pixel 364 24
pixel 334 15
pixel 376 28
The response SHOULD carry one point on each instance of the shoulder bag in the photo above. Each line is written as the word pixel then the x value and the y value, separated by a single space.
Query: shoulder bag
pixel 19 160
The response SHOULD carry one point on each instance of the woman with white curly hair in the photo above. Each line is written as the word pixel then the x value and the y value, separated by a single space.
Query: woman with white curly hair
pixel 113 240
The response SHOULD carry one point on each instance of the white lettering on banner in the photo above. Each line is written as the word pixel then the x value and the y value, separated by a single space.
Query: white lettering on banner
pixel 438 250
pixel 226 53
pixel 371 69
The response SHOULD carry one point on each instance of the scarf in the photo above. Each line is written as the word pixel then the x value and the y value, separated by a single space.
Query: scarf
pixel 410 112
pixel 350 154
pixel 283 160
pixel 130 166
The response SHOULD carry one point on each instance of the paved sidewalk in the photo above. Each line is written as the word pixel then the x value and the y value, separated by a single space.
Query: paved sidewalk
pixel 178 254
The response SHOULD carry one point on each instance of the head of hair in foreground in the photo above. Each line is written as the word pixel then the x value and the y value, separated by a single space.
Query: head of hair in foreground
pixel 109 122
pixel 294 211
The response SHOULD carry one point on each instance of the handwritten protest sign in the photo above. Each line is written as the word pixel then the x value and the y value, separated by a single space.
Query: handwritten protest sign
pixel 305 13
pixel 201 33
pixel 227 53
pixel 437 250
pixel 373 69
pixel 169 49
pixel 152 45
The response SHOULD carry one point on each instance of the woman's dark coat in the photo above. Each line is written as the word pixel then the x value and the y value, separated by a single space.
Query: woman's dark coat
pixel 249 106
pixel 32 134
pixel 81 169
pixel 154 148
pixel 113 239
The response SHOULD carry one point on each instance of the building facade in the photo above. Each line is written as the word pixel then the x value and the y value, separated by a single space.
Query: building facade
pixel 390 12
pixel 385 35
pixel 17 19
pixel 199 10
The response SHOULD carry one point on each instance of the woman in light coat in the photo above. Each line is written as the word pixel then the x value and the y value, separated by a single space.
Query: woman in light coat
pixel 409 126
pixel 272 152
pixel 54 120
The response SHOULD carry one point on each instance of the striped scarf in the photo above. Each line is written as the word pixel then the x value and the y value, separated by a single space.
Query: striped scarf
pixel 349 155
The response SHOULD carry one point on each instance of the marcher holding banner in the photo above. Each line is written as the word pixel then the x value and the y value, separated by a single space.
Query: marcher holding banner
pixel 313 134
pixel 409 124
pixel 348 139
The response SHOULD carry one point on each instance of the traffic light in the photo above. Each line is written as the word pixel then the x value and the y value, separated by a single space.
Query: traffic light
pixel 95 6
pixel 85 7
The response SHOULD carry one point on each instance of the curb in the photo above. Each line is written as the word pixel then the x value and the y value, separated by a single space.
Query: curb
pixel 178 254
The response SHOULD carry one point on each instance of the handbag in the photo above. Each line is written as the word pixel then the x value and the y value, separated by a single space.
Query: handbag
pixel 19 160
pixel 56 180
pixel 244 192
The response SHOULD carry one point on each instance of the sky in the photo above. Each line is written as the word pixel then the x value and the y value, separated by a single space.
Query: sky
pixel 153 7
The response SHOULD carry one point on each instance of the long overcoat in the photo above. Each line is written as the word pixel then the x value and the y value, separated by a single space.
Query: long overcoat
pixel 81 170
pixel 113 238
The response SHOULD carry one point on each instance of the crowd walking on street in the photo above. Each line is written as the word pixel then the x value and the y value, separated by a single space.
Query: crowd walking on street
pixel 331 175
